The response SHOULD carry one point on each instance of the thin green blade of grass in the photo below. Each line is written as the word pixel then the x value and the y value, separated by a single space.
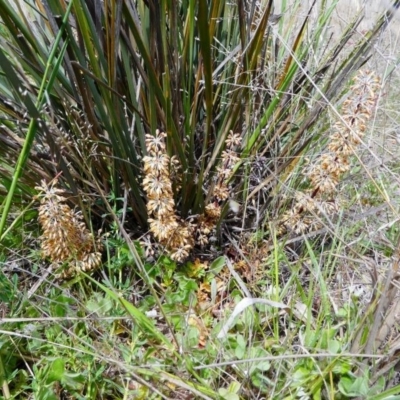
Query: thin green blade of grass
pixel 235 109
pixel 153 86
pixel 143 322
pixel 46 86
pixel 254 49
pixel 389 394
pixel 205 47
pixel 288 74
pixel 12 20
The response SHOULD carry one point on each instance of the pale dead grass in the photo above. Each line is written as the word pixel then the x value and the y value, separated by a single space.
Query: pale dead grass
pixel 374 183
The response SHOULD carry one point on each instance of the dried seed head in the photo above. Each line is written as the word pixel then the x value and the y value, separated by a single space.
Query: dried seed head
pixel 164 224
pixel 65 238
pixel 221 190
pixel 233 140
pixel 324 174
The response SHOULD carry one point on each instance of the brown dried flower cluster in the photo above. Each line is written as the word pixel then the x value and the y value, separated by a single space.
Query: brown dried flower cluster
pixel 176 235
pixel 173 233
pixel 325 173
pixel 65 238
pixel 221 190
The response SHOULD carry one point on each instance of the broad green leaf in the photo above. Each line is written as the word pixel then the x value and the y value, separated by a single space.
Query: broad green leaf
pixel 56 371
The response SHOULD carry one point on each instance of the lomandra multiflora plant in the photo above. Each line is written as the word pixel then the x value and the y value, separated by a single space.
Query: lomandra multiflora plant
pixel 65 238
pixel 324 174
pixel 179 236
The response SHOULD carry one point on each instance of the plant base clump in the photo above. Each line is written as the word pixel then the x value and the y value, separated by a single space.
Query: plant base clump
pixel 65 237
pixel 176 235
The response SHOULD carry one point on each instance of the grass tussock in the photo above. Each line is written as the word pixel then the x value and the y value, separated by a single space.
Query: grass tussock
pixel 221 148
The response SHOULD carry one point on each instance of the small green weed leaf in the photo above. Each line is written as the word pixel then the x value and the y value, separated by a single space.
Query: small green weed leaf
pixel 185 283
pixel 46 393
pixel 192 337
pixel 53 332
pixel 234 387
pixel 186 287
pixel 310 338
pixel 156 270
pixel 30 215
pixel 242 305
pixel 240 349
pixel 74 380
pixel 378 387
pixel 99 304
pixel 144 323
pixel 354 387
pixel 60 306
pixel 195 269
pixel 263 366
pixel 334 346
pixel 227 395
pixel 230 393
pixel 259 366
pixel 6 289
pixel 166 262
pixel 301 374
pixel 342 313
pixel 342 367
pixel 56 371
pixel 217 265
